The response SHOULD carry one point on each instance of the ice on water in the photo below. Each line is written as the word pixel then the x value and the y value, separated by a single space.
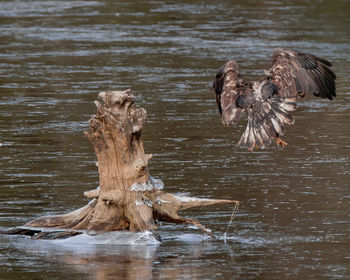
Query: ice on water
pixel 148 186
pixel 113 238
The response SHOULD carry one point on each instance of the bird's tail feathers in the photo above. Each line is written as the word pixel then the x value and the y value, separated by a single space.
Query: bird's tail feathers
pixel 267 120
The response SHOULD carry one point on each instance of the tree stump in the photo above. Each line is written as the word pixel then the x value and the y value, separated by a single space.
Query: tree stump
pixel 128 198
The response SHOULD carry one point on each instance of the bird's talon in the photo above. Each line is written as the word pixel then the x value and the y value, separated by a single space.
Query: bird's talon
pixel 280 142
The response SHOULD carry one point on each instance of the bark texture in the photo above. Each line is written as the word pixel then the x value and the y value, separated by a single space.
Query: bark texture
pixel 128 198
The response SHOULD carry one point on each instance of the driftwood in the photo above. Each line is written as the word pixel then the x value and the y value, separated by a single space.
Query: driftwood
pixel 128 198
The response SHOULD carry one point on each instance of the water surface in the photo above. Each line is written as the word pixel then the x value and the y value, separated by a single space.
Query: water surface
pixel 55 56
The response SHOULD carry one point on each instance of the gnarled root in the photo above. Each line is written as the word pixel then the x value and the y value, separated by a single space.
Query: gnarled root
pixel 164 206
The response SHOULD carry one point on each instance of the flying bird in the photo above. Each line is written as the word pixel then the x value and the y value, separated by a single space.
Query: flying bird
pixel 269 101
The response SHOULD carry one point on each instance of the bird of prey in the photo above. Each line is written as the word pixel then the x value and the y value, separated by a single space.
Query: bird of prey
pixel 269 101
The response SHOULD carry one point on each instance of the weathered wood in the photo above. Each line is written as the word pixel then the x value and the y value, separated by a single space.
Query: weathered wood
pixel 128 198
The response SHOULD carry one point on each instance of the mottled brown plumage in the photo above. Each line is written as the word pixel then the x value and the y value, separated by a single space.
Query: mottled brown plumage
pixel 270 100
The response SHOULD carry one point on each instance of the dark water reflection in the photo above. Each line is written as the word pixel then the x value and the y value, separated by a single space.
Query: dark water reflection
pixel 55 56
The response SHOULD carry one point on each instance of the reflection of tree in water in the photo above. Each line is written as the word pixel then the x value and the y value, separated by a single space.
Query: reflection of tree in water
pixel 103 267
pixel 139 262
pixel 134 264
pixel 181 258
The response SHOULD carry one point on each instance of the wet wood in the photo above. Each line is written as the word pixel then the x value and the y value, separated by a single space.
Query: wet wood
pixel 128 198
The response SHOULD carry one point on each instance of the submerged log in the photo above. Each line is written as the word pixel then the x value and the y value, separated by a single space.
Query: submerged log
pixel 128 198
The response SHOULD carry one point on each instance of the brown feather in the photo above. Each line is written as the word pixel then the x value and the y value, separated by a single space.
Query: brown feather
pixel 228 84
pixel 296 74
pixel 270 101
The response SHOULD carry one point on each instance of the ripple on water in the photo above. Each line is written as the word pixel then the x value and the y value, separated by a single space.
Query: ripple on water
pixel 56 56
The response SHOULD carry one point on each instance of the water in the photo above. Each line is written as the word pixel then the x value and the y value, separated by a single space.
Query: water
pixel 55 56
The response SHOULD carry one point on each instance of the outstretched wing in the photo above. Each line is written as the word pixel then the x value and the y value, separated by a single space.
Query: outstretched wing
pixel 228 85
pixel 270 101
pixel 267 115
pixel 295 74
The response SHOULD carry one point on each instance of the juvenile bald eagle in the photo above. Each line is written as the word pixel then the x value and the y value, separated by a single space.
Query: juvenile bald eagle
pixel 270 100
